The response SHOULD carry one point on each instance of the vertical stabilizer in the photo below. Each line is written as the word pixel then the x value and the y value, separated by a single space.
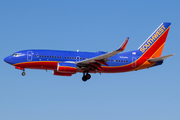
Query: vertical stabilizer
pixel 153 46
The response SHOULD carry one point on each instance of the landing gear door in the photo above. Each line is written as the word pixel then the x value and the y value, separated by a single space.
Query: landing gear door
pixel 29 55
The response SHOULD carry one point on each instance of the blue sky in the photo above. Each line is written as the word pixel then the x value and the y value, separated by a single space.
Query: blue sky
pixel 88 26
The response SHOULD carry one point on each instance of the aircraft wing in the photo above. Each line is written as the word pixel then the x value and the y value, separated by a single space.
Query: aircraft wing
pixel 102 59
pixel 160 58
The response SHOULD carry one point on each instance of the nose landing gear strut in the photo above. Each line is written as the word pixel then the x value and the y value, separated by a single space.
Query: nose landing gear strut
pixel 23 73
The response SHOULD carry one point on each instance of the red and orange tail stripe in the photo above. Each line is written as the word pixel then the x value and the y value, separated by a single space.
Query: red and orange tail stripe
pixel 153 46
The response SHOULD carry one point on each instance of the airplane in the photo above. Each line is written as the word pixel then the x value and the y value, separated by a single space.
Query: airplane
pixel 67 63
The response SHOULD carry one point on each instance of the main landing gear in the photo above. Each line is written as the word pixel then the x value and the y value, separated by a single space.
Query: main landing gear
pixel 86 76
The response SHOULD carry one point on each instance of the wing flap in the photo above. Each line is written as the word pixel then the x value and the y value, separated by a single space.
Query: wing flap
pixel 160 58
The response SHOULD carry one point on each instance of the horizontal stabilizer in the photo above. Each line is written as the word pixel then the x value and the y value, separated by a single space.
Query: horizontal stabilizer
pixel 160 58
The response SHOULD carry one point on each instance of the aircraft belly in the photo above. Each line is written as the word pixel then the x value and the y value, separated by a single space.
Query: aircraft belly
pixel 47 65
pixel 115 69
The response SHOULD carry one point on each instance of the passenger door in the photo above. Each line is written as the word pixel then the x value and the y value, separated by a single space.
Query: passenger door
pixel 29 55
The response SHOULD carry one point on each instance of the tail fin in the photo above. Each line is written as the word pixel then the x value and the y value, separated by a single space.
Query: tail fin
pixel 154 45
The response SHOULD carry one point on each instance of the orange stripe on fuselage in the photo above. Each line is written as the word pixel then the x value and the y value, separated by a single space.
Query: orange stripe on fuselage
pixel 147 64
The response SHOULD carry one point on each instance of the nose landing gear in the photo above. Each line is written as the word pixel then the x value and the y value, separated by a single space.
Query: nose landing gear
pixel 23 73
pixel 86 76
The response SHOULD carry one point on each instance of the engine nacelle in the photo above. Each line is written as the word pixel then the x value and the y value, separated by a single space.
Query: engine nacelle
pixel 67 68
pixel 61 74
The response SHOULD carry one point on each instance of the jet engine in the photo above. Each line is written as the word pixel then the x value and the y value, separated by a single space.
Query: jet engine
pixel 67 67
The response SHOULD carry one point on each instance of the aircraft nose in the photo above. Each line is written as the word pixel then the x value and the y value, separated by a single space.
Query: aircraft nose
pixel 7 60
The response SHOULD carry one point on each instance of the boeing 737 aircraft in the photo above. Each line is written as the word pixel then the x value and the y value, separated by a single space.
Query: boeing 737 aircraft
pixel 67 63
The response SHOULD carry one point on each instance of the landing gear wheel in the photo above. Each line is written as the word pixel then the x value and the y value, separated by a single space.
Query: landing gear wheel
pixel 88 76
pixel 84 78
pixel 23 73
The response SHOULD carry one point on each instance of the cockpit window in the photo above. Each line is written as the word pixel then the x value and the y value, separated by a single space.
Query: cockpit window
pixel 16 54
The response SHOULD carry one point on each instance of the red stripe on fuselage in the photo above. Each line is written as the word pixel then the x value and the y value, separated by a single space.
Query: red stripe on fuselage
pixel 47 65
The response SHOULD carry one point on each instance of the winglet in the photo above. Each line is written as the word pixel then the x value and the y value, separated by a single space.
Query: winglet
pixel 123 46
